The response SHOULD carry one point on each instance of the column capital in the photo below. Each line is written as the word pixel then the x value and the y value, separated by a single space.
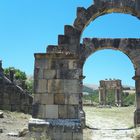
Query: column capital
pixel 136 77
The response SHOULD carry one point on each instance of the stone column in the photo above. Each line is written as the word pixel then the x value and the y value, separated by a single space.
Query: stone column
pixel 104 96
pixel 100 95
pixel 118 100
pixel 137 85
pixel 116 97
pixel 120 96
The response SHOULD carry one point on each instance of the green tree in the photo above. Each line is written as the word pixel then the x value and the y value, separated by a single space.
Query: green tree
pixel 19 75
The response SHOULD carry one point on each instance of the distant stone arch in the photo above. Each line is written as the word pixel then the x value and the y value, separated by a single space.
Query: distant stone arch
pixel 58 74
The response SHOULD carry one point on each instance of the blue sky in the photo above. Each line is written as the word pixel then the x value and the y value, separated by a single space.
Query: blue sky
pixel 28 26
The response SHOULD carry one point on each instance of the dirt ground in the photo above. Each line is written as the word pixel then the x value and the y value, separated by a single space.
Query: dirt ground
pixel 102 124
pixel 110 124
pixel 15 123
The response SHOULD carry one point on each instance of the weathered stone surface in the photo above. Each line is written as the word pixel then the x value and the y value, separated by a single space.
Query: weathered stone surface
pixel 73 111
pixel 54 127
pixel 73 64
pixel 69 74
pixel 41 63
pixel 62 111
pixel 59 99
pixel 47 99
pixel 72 98
pixel 45 111
pixel 77 136
pixel 49 74
pixel 63 136
pixel 41 86
pixel 64 86
pixel 52 111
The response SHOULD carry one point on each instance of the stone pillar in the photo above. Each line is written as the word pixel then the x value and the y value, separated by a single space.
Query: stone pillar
pixel 100 96
pixel 11 75
pixel 57 96
pixel 137 85
pixel 118 98
pixel 104 96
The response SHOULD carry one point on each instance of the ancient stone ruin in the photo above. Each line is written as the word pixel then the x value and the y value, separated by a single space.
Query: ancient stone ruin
pixel 12 96
pixel 105 86
pixel 57 111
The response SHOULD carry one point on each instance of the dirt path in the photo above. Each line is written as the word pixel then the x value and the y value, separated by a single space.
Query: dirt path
pixel 110 123
pixel 13 122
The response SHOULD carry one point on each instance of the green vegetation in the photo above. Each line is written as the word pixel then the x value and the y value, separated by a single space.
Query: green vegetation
pixel 128 99
pixel 21 77
pixel 94 96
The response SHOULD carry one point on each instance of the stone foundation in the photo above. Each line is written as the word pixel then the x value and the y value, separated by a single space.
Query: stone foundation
pixel 55 129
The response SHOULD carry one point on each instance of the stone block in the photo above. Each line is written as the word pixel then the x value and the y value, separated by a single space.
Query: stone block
pixel 41 63
pixel 64 86
pixel 72 98
pixel 72 86
pixel 55 86
pixel 47 99
pixel 6 107
pixel 58 64
pixel 77 136
pixel 62 136
pixel 39 111
pixel 73 64
pixel 52 111
pixel 73 111
pixel 38 73
pixel 62 111
pixel 59 98
pixel 49 74
pixel 41 86
pixel 69 74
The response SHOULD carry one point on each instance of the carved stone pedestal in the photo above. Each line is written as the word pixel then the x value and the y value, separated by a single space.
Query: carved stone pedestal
pixel 55 129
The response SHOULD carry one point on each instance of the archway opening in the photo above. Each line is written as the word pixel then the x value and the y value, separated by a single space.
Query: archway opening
pixel 112 65
pixel 115 25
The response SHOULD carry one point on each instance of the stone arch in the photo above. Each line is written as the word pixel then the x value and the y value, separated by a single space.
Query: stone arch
pixel 130 47
pixel 70 41
pixel 57 108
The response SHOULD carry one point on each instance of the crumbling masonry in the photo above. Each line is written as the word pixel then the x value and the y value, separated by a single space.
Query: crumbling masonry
pixel 12 96
pixel 58 73
pixel 106 85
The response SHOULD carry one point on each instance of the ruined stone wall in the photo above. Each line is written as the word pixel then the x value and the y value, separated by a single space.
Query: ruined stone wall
pixel 13 97
pixel 105 86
